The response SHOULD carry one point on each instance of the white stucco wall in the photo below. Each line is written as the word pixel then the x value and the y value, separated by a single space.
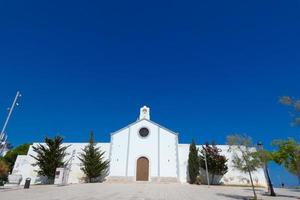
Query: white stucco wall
pixel 159 147
pixel 118 156
pixel 235 176
pixel 168 154
pixel 143 147
pixel 23 167
pixel 232 177
pixel 183 150
pixel 24 163
pixel 167 158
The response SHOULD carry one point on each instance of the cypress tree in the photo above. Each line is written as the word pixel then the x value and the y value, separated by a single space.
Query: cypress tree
pixel 193 163
pixel 93 164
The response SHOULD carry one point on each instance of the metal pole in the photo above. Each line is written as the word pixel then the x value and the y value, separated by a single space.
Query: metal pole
pixel 3 137
pixel 10 111
pixel 207 175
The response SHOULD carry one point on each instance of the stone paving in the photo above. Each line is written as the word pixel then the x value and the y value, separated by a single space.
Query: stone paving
pixel 139 191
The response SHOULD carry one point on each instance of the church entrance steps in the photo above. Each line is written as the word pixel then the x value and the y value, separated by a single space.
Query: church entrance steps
pixel 119 179
pixel 123 179
pixel 165 180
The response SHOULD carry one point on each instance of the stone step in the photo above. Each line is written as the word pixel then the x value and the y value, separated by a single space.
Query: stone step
pixel 123 179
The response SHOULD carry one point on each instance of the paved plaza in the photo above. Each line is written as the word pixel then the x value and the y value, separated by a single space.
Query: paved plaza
pixel 139 191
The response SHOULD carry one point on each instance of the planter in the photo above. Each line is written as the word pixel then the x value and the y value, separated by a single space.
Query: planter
pixel 213 180
pixel 14 179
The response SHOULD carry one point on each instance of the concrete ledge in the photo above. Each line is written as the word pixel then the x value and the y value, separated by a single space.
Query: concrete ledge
pixel 131 179
pixel 120 179
pixel 164 179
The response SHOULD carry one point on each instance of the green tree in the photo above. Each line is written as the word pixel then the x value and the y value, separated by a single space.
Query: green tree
pixel 49 157
pixel 216 163
pixel 93 164
pixel 4 170
pixel 245 157
pixel 294 104
pixel 265 157
pixel 193 163
pixel 12 155
pixel 288 155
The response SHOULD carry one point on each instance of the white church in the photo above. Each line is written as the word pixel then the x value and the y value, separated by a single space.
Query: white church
pixel 141 151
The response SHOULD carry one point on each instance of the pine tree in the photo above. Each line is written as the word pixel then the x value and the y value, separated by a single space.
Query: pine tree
pixel 193 163
pixel 93 164
pixel 216 163
pixel 49 157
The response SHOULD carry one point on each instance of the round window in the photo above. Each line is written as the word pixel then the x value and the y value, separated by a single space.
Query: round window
pixel 144 132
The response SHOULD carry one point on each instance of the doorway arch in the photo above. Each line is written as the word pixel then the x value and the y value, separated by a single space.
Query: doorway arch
pixel 142 169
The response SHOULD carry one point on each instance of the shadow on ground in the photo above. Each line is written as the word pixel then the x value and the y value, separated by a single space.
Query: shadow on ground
pixel 284 196
pixel 234 196
pixel 294 190
pixel 256 190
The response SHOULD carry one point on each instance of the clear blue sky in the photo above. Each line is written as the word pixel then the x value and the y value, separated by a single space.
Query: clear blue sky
pixel 206 68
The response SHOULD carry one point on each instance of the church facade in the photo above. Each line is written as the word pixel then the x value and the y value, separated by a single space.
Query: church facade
pixel 141 151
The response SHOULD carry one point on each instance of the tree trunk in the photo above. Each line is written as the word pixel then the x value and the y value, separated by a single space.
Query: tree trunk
pixel 253 189
pixel 270 185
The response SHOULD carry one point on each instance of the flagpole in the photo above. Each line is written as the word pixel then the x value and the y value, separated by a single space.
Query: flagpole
pixel 3 137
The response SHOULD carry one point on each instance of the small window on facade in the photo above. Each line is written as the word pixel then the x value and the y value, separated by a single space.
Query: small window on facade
pixel 144 132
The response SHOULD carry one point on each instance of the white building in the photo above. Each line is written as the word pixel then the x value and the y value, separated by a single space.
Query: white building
pixel 141 151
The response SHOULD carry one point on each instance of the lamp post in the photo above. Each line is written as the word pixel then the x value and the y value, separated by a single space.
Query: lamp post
pixel 206 168
pixel 260 147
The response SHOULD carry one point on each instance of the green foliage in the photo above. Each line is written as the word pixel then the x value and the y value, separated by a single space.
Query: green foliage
pixel 245 157
pixel 263 155
pixel 193 162
pixel 4 170
pixel 216 163
pixel 288 155
pixel 295 105
pixel 11 156
pixel 50 156
pixel 93 164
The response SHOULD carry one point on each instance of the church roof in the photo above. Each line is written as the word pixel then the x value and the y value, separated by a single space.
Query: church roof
pixel 162 127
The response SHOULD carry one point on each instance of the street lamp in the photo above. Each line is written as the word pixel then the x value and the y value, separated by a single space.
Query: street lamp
pixel 260 147
pixel 206 168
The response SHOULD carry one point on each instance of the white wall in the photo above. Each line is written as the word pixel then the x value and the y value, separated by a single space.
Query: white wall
pixel 183 151
pixel 236 177
pixel 118 156
pixel 166 159
pixel 232 177
pixel 159 147
pixel 24 163
pixel 168 154
pixel 147 147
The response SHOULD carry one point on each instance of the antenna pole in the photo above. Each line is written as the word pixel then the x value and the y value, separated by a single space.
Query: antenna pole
pixel 3 137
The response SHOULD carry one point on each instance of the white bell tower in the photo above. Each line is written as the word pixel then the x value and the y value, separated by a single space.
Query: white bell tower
pixel 144 113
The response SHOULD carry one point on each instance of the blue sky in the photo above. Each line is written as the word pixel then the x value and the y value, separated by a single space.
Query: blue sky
pixel 205 68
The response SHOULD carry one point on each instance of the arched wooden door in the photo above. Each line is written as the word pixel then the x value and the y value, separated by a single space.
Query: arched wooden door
pixel 142 169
